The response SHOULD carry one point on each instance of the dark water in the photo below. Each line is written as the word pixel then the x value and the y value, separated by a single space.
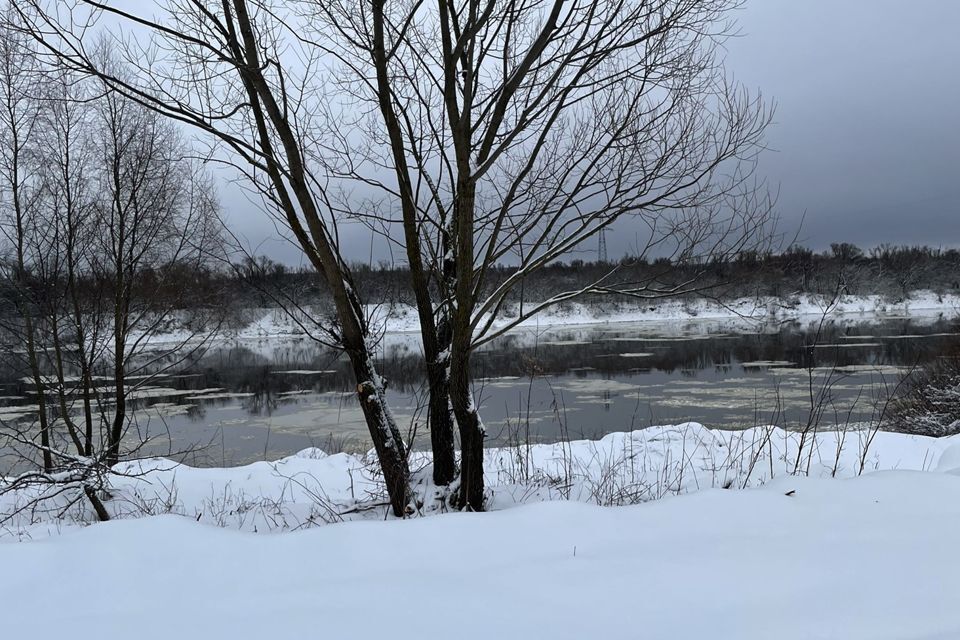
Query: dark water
pixel 270 398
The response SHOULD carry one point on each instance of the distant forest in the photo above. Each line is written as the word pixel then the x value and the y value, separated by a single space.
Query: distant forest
pixel 890 271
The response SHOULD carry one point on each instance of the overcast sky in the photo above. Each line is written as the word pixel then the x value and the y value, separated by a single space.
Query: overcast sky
pixel 866 143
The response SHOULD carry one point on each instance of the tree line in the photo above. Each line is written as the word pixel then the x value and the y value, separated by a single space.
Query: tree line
pixel 887 270
pixel 891 271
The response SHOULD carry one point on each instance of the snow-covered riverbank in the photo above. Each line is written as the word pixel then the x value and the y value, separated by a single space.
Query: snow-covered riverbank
pixel 797 557
pixel 744 313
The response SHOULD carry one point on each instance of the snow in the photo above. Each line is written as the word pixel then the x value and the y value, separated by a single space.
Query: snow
pixel 800 558
pixel 812 549
pixel 302 372
pixel 312 488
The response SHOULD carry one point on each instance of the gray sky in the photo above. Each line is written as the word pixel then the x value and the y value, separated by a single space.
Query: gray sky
pixel 867 136
pixel 866 143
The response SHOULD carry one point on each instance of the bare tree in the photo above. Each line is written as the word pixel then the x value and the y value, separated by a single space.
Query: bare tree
pixel 518 131
pixel 105 207
pixel 21 226
pixel 219 68
pixel 156 210
pixel 69 206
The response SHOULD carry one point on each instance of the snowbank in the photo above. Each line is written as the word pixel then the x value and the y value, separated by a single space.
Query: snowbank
pixel 870 558
pixel 313 488
pixel 801 555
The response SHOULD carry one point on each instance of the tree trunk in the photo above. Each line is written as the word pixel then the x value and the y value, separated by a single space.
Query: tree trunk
pixel 321 247
pixel 34 363
pixel 383 429
pixel 386 437
pixel 102 514
pixel 116 428
pixel 436 336
pixel 87 412
pixel 120 407
pixel 440 416
pixel 470 494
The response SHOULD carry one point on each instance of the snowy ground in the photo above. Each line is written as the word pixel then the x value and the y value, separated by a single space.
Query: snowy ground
pixel 312 488
pixel 797 557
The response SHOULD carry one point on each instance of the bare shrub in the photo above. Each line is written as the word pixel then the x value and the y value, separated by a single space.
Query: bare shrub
pixel 929 399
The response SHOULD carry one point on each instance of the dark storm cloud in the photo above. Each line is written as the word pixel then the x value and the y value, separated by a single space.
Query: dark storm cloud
pixel 866 144
pixel 867 136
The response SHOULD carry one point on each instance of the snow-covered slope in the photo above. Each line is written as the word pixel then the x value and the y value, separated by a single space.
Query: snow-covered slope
pixel 870 558
pixel 802 554
pixel 313 488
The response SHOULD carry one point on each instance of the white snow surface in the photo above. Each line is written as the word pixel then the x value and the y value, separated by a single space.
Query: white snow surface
pixel 798 557
pixel 313 488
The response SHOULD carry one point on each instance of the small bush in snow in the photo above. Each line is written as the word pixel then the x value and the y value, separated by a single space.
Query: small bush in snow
pixel 930 401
